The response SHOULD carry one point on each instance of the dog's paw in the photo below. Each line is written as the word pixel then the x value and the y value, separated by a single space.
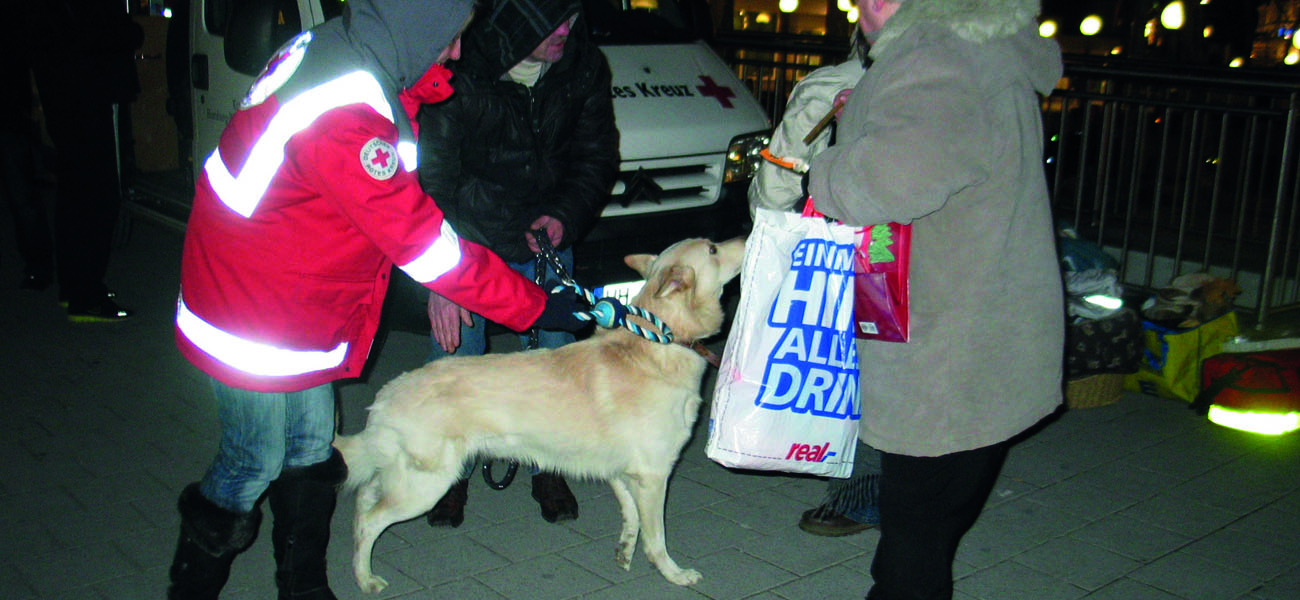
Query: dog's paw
pixel 684 577
pixel 372 584
pixel 623 557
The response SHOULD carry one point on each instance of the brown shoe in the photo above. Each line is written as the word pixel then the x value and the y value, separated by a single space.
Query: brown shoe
pixel 823 522
pixel 552 493
pixel 450 509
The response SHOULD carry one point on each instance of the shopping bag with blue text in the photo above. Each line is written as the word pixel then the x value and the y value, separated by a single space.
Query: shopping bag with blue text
pixel 787 391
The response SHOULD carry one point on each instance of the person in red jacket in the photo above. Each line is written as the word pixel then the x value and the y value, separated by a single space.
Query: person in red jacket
pixel 308 199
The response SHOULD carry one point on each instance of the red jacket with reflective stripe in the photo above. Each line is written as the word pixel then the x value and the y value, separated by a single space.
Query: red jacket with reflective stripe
pixel 289 297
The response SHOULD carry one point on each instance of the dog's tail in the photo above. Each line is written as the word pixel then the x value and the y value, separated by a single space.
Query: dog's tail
pixel 362 463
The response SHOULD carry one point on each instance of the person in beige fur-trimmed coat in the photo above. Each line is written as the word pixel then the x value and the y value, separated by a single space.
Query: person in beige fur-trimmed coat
pixel 944 132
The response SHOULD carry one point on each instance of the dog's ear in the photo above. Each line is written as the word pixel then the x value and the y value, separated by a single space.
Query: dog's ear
pixel 678 278
pixel 639 262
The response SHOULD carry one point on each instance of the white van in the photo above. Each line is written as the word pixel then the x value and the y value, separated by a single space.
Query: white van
pixel 690 131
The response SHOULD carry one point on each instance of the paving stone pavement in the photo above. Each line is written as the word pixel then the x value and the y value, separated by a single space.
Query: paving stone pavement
pixel 1138 500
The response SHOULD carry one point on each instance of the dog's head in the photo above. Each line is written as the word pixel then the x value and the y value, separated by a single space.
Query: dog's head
pixel 684 284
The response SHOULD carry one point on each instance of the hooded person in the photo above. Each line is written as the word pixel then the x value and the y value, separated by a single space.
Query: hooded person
pixel 944 132
pixel 528 143
pixel 530 131
pixel 308 199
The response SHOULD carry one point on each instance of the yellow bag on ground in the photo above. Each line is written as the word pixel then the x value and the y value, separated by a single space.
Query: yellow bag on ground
pixel 1171 365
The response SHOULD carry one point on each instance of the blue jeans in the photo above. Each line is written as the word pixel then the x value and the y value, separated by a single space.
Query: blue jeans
pixel 261 434
pixel 857 497
pixel 473 340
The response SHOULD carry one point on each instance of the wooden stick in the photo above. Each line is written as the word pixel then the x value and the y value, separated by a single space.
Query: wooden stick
pixel 821 125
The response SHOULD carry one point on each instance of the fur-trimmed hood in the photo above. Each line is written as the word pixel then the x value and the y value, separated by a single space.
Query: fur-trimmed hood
pixel 971 20
pixel 977 22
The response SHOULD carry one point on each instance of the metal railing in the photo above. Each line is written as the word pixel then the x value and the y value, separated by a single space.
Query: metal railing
pixel 1178 171
pixel 770 65
pixel 1172 170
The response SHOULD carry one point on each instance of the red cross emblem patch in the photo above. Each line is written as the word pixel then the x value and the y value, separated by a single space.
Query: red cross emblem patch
pixel 379 159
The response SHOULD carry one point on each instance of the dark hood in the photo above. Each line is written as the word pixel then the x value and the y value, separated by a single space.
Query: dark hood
pixel 507 31
pixel 401 39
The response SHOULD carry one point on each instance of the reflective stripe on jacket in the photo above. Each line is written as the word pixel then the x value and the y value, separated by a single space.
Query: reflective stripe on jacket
pixel 292 234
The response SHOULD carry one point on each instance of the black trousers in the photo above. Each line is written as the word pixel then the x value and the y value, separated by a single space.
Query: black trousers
pixel 19 189
pixel 89 192
pixel 926 505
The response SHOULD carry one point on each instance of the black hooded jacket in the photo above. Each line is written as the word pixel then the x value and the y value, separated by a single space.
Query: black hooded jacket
pixel 498 155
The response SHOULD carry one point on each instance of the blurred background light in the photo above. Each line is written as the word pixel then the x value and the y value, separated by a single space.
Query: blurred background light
pixel 1090 25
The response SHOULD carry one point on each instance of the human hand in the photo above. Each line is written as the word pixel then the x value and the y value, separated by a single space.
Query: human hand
pixel 837 107
pixel 840 99
pixel 560 312
pixel 554 232
pixel 445 318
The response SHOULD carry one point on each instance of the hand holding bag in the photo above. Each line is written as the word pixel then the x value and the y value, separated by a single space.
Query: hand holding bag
pixel 787 391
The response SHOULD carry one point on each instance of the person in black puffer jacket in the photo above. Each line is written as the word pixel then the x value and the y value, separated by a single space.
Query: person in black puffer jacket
pixel 527 142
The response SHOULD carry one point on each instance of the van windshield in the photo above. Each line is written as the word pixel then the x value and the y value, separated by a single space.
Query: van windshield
pixel 626 22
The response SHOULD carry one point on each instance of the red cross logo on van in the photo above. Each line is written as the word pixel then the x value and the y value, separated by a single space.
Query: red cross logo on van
pixel 711 88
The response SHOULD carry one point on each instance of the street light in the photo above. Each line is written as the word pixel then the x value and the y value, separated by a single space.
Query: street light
pixel 1090 25
pixel 1047 28
pixel 1172 16
pixel 788 6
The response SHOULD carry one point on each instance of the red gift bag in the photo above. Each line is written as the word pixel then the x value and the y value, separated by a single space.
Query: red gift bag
pixel 880 294
pixel 881 266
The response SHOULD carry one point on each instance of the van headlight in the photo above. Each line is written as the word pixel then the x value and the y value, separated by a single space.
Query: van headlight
pixel 742 155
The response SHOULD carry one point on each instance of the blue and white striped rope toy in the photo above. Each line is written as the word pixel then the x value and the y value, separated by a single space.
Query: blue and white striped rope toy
pixel 610 313
pixel 606 312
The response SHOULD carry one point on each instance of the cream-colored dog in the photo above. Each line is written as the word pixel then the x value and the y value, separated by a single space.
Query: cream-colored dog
pixel 614 407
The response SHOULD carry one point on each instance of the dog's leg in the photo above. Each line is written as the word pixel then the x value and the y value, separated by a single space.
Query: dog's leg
pixel 650 490
pixel 399 493
pixel 368 497
pixel 631 523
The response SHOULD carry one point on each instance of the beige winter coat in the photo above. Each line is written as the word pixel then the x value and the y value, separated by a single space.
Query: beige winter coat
pixel 945 132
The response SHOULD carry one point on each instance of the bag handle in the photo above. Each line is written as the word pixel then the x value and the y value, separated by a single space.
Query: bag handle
pixel 811 211
pixel 1201 404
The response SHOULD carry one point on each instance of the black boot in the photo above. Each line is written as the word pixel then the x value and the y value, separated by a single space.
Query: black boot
pixel 302 502
pixel 552 493
pixel 450 509
pixel 210 538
